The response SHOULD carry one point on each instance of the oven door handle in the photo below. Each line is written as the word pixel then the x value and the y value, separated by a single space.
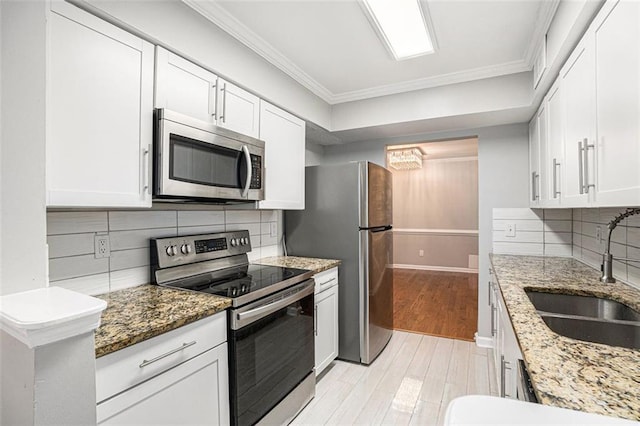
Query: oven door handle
pixel 244 318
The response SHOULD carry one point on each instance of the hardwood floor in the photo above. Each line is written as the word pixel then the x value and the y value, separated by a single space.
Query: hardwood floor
pixel 436 303
pixel 410 383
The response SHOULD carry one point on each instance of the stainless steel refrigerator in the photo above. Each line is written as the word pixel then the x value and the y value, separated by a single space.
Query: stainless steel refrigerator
pixel 348 216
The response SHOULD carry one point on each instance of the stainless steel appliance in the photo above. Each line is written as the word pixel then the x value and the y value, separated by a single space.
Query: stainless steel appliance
pixel 197 160
pixel 524 391
pixel 271 322
pixel 348 216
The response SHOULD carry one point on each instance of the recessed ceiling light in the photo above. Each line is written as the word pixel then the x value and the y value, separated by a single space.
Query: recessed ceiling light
pixel 401 25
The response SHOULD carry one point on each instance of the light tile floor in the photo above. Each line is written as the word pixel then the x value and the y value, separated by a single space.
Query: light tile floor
pixel 410 383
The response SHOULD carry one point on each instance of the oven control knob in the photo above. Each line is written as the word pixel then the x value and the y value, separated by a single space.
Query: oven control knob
pixel 234 242
pixel 171 250
pixel 185 249
pixel 234 291
pixel 243 288
pixel 245 241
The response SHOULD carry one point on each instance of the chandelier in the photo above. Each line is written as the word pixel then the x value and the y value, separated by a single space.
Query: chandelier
pixel 405 159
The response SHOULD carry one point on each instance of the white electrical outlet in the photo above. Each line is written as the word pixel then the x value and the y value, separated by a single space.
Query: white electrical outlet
pixel 421 253
pixel 598 234
pixel 101 246
pixel 510 230
pixel 273 229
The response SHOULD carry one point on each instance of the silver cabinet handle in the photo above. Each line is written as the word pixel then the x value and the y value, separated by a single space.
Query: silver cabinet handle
pixel 171 352
pixel 556 192
pixel 587 147
pixel 533 186
pixel 494 310
pixel 503 381
pixel 145 169
pixel 213 107
pixel 315 320
pixel 223 116
pixel 580 167
pixel 247 158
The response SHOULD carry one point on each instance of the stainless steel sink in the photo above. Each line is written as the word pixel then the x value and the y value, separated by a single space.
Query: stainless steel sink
pixel 585 306
pixel 610 333
pixel 588 318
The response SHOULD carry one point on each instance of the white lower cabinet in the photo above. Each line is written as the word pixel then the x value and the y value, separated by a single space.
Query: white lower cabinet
pixel 180 377
pixel 506 351
pixel 326 318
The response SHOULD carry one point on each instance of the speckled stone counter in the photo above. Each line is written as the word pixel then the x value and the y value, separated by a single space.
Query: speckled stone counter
pixel 309 263
pixel 140 313
pixel 565 372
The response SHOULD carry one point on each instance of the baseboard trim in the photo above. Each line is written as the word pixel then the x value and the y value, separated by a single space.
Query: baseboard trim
pixel 483 342
pixel 434 268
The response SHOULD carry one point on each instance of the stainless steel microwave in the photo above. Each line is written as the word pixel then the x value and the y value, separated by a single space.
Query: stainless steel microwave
pixel 197 160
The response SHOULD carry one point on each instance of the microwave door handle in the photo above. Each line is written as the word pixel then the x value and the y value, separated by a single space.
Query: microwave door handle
pixel 247 158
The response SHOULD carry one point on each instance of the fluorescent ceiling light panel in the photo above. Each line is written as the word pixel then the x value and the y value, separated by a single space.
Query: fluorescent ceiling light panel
pixel 401 25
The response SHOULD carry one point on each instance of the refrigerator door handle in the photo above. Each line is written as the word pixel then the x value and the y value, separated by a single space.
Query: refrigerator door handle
pixel 377 228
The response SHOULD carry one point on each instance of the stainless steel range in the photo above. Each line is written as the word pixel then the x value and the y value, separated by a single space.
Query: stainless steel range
pixel 271 322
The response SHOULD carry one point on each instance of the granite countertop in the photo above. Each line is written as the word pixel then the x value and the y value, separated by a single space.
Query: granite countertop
pixel 309 263
pixel 140 313
pixel 565 372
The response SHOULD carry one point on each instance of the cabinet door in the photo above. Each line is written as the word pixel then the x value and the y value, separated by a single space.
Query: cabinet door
pixel 184 87
pixel 99 113
pixel 284 158
pixel 554 144
pixel 578 84
pixel 326 328
pixel 544 171
pixel 238 110
pixel 617 64
pixel 194 392
pixel 534 162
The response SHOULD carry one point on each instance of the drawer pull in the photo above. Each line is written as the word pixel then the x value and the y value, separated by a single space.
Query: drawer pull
pixel 171 352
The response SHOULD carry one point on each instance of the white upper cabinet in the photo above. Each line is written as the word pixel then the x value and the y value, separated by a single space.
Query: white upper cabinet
pixel 184 87
pixel 593 110
pixel 578 83
pixel 616 31
pixel 187 88
pixel 553 157
pixel 284 137
pixel 99 113
pixel 238 110
pixel 534 163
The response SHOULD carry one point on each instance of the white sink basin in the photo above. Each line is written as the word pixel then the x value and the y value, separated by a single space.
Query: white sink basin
pixel 491 410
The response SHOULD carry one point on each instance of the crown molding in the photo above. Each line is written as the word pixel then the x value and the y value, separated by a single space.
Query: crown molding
pixel 215 13
pixel 546 12
pixel 228 23
pixel 430 82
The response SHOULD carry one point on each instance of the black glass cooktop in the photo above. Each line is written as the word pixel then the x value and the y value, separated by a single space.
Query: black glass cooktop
pixel 244 283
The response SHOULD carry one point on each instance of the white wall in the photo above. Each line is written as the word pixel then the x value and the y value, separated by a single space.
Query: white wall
pixel 314 154
pixel 22 169
pixel 183 30
pixel 503 159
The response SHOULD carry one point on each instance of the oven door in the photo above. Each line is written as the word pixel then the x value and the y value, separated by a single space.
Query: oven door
pixel 195 159
pixel 271 351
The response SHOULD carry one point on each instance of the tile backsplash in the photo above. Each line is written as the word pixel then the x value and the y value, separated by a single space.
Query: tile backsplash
pixel 536 232
pixel 572 233
pixel 71 234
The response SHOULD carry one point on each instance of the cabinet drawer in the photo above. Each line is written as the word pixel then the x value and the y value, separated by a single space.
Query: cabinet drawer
pixel 325 279
pixel 128 367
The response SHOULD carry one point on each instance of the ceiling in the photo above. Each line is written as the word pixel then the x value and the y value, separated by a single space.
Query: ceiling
pixel 330 47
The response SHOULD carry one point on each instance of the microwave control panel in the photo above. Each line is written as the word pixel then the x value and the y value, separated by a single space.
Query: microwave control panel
pixel 256 172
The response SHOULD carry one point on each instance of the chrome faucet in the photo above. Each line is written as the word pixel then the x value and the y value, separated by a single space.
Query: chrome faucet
pixel 607 257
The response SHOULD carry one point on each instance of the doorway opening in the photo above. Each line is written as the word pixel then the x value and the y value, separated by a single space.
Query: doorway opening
pixel 435 237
